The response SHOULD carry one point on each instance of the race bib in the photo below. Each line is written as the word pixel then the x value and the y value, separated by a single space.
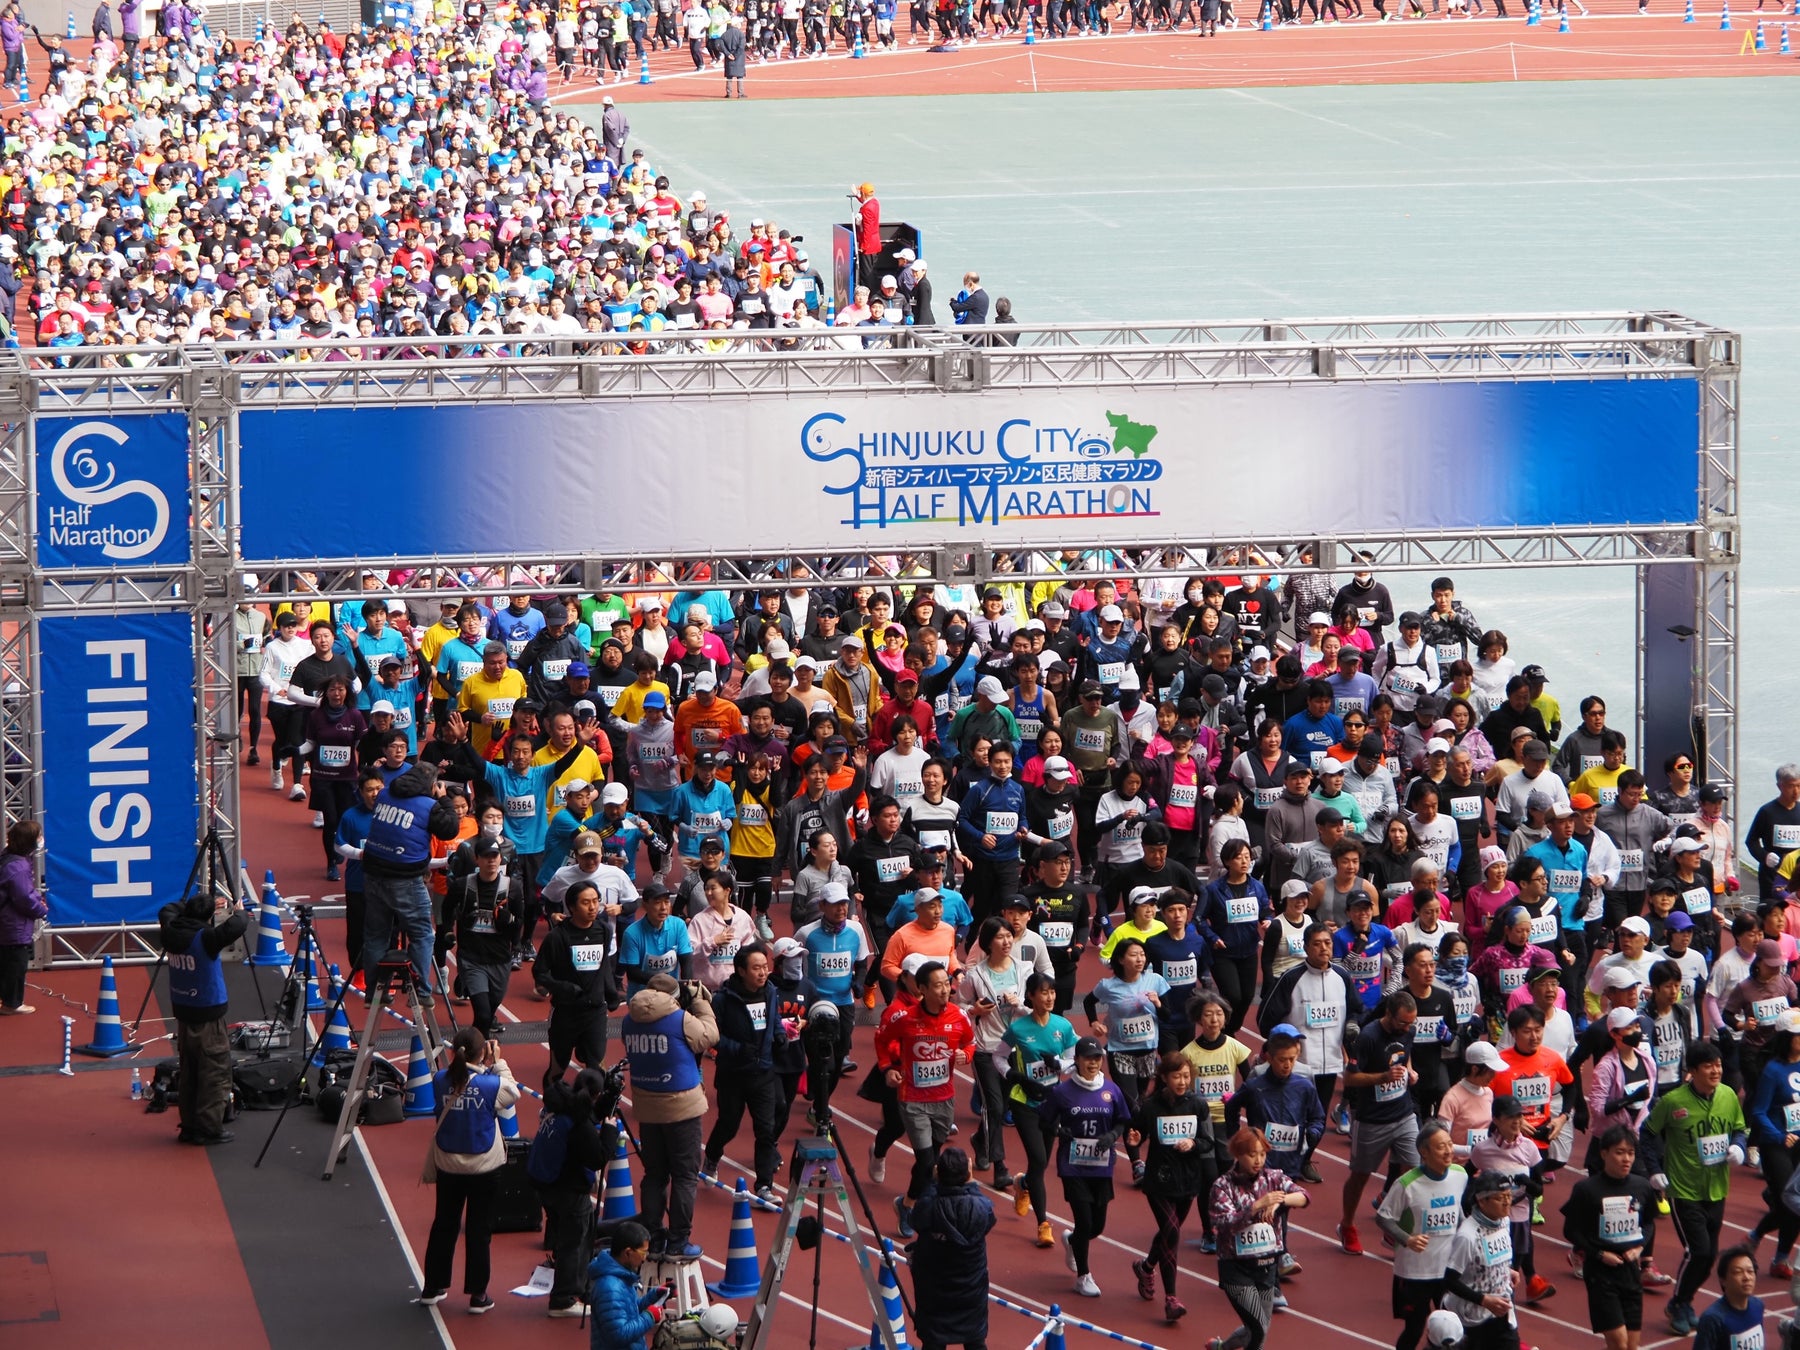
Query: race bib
pixel 1447 652
pixel 1496 1248
pixel 1698 900
pixel 1344 705
pixel 1242 908
pixel 556 670
pixel 1057 934
pixel 1002 823
pixel 1086 738
pixel 1184 794
pixel 1366 617
pixel 930 1073
pixel 759 1017
pixel 467 670
pixel 664 963
pixel 1368 801
pixel 1619 1221
pixel 1390 1091
pixel 1631 860
pixel 1256 1242
pixel 1532 1093
pixel 588 956
pixel 1477 1137
pixel 1179 973
pixel 1425 1029
pixel 1061 825
pixel 706 822
pixel 1512 978
pixel 704 738
pixel 1747 1340
pixel 1267 797
pixel 1172 1129
pixel 1030 728
pixel 752 813
pixel 1766 1010
pixel 1712 1149
pixel 1465 808
pixel 1787 837
pixel 403 717
pixel 1608 795
pixel 334 756
pixel 1543 930
pixel 1136 1030
pixel 1668 1056
pixel 1039 1072
pixel 1443 1216
pixel 483 922
pixel 521 807
pixel 609 695
pixel 1591 762
pixel 1215 1085
pixel 724 954
pixel 1565 881
pixel 1362 965
pixel 514 646
pixel 1405 679
pixel 827 965
pixel 1316 759
pixel 908 791
pixel 1282 1138
pixel 941 705
pixel 654 752
pixel 1089 1151
pixel 1322 1015
pixel 859 713
pixel 1296 944
pixel 1111 672
pixel 889 869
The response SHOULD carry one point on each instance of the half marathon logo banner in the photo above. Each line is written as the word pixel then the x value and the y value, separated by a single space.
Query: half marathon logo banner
pixel 112 492
pixel 121 789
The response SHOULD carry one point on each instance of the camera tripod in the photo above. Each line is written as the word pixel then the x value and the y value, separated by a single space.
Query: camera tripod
pixel 210 859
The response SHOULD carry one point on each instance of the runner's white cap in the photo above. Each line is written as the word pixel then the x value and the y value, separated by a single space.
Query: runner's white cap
pixel 1320 617
pixel 990 688
pixel 1484 1055
pixel 705 682
pixel 381 705
pixel 614 794
pixel 1111 614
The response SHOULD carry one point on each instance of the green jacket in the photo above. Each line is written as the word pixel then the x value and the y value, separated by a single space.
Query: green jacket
pixel 1693 1135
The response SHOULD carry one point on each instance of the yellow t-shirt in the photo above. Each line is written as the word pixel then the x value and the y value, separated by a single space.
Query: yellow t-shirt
pixel 630 704
pixel 1216 1071
pixel 430 644
pixel 1600 783
pixel 1128 929
pixel 587 766
pixel 753 831
pixel 480 695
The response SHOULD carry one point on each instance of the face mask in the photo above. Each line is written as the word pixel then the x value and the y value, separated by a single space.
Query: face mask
pixel 1456 967
pixel 492 831
pixel 1636 1038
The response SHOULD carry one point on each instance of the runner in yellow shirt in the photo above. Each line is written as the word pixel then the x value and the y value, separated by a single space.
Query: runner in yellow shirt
pixel 590 764
pixel 487 698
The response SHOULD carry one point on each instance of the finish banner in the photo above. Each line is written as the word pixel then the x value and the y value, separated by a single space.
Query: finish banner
pixel 873 472
pixel 121 786
pixel 112 492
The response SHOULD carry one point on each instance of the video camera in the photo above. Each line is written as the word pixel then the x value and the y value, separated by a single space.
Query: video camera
pixel 819 1038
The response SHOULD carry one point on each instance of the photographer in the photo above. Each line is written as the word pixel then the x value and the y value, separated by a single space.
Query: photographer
pixel 566 1157
pixel 748 1013
pixel 410 812
pixel 467 1153
pixel 485 908
pixel 669 1028
pixel 197 990
pixel 622 1316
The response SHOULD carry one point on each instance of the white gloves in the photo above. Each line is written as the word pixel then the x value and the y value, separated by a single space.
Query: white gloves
pixel 1735 1156
pixel 1660 1180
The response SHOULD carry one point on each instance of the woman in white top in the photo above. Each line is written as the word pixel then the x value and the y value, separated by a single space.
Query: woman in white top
pixel 992 992
pixel 1435 833
pixel 1120 818
pixel 1228 823
pixel 1495 667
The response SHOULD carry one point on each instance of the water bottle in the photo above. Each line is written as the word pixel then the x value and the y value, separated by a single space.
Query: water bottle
pixel 137 1085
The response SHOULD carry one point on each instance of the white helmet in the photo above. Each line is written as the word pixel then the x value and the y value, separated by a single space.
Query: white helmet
pixel 719 1322
pixel 1443 1329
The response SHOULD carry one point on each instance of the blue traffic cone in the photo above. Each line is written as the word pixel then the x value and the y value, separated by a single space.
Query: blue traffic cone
pixel 421 1092
pixel 856 47
pixel 271 949
pixel 619 1200
pixel 830 308
pixel 1785 49
pixel 509 1121
pixel 1268 16
pixel 1053 1337
pixel 71 33
pixel 891 1307
pixel 1562 25
pixel 1532 16
pixel 1760 45
pixel 337 1030
pixel 743 1273
pixel 259 29
pixel 1030 30
pixel 644 69
pixel 315 1001
pixel 1725 16
pixel 109 1032
pixel 1688 17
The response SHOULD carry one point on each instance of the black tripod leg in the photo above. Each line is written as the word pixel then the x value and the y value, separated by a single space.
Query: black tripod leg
pixel 162 960
pixel 294 1088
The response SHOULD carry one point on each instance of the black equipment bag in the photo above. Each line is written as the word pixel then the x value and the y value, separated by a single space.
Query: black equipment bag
pixel 516 1205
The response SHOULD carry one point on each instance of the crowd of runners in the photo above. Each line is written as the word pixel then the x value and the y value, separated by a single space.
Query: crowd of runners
pixel 1184 874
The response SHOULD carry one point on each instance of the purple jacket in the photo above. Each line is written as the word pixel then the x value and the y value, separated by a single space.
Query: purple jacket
pixel 20 903
pixel 131 19
pixel 12 34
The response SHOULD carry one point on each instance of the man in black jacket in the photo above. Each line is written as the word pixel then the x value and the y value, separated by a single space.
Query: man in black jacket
pixel 484 907
pixel 572 966
pixel 569 1198
pixel 197 990
pixel 750 1032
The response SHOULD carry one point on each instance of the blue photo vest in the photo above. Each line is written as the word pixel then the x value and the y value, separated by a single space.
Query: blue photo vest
pixel 398 835
pixel 195 977
pixel 660 1058
pixel 468 1122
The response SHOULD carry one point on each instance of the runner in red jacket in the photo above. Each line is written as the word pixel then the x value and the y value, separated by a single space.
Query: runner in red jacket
pixel 917 1053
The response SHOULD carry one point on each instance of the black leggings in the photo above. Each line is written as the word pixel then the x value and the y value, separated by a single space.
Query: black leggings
pixel 1236 978
pixel 1087 1198
pixel 755 876
pixel 331 798
pixel 1169 1211
pixel 1777 1168
pixel 250 696
pixel 1133 1088
pixel 1037 1156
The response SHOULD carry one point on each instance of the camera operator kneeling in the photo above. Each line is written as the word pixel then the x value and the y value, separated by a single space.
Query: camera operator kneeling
pixel 197 989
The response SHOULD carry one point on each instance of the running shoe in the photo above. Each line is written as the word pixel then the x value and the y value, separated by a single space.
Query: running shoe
pixel 1681 1319
pixel 1309 1172
pixel 1137 1172
pixel 767 1195
pixel 431 1296
pixel 1652 1278
pixel 1209 1244
pixel 1146 1280
pixel 905 1217
pixel 1046 1238
pixel 1085 1286
pixel 1173 1310
pixel 1069 1254
pixel 1281 1303
pixel 877 1165
pixel 275 780
pixel 480 1304
pixel 764 929
pixel 1021 1200
pixel 1782 1269
pixel 1289 1266
pixel 1340 1120
pixel 297 793
pixel 1349 1239
pixel 1537 1289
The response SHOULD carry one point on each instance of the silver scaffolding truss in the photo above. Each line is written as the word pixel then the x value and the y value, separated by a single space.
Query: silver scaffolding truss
pixel 213 384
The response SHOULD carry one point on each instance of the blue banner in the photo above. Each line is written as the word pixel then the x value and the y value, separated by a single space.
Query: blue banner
pixel 121 788
pixel 89 513
pixel 858 470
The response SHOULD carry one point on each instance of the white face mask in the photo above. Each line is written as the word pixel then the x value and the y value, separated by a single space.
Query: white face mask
pixel 492 831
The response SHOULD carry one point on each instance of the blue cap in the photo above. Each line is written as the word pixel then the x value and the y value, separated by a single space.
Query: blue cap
pixel 655 699
pixel 1678 922
pixel 1286 1029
